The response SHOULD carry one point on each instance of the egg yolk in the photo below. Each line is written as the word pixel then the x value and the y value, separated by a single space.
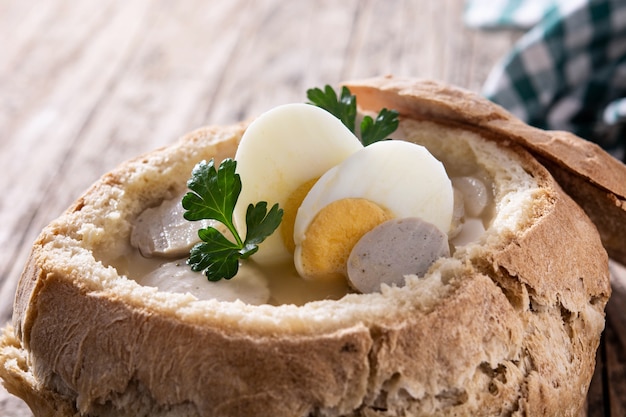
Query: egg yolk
pixel 290 210
pixel 333 233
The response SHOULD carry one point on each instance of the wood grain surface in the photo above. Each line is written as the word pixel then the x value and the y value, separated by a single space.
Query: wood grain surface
pixel 86 85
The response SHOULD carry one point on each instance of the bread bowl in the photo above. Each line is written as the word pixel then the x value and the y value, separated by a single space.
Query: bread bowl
pixel 506 325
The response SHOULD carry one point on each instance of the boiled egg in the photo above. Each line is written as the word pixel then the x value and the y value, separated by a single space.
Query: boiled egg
pixel 385 180
pixel 281 154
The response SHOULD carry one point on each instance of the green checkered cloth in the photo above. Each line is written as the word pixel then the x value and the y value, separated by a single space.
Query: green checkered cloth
pixel 569 72
pixel 505 13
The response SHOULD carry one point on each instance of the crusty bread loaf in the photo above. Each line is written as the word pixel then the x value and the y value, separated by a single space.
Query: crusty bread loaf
pixel 508 325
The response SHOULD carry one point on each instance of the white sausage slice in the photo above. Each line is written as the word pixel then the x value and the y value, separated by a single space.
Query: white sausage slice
pixel 395 248
pixel 163 231
pixel 176 276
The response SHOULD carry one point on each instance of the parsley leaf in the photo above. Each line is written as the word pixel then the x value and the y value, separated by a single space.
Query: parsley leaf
pixel 385 124
pixel 217 256
pixel 260 223
pixel 214 195
pixel 344 108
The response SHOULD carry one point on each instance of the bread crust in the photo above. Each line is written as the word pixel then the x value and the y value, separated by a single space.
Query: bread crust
pixel 510 327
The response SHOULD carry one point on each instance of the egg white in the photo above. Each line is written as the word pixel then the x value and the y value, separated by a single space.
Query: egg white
pixel 280 150
pixel 402 177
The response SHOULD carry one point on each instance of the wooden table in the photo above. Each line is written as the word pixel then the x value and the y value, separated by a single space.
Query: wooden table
pixel 87 85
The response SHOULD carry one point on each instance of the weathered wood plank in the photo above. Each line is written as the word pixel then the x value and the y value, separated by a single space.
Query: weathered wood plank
pixel 287 48
pixel 424 39
pixel 63 78
pixel 18 35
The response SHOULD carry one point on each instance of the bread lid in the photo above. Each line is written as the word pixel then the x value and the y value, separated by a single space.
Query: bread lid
pixel 591 176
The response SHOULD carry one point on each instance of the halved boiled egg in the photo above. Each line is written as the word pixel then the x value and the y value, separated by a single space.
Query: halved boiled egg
pixel 385 180
pixel 281 154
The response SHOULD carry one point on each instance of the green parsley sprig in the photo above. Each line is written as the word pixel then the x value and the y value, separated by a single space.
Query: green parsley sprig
pixel 214 195
pixel 344 108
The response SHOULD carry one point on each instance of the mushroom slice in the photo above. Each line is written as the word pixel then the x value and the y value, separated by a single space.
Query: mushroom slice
pixel 393 249
pixel 475 194
pixel 177 276
pixel 162 231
